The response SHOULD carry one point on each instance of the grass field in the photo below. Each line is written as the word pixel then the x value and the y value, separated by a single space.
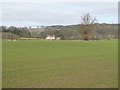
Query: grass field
pixel 60 64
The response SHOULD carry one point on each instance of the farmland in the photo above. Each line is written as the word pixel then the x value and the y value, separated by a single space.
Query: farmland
pixel 60 64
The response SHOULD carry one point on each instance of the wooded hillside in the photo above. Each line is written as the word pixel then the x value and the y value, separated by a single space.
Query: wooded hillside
pixel 69 32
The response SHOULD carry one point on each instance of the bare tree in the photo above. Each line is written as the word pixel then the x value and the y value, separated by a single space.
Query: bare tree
pixel 87 26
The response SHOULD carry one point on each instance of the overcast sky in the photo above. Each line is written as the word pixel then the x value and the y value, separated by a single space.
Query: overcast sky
pixel 56 13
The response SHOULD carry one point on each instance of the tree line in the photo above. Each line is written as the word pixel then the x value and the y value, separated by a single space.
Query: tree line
pixel 14 32
pixel 69 32
pixel 76 32
pixel 87 30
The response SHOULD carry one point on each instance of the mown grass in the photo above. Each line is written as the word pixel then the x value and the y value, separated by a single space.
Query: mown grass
pixel 60 64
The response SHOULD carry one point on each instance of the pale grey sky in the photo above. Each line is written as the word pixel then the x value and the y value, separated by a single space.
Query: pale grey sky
pixel 56 13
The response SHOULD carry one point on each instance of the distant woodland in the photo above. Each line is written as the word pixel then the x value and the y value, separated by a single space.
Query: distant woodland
pixel 69 32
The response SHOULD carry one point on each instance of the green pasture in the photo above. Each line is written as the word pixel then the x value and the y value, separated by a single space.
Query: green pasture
pixel 60 64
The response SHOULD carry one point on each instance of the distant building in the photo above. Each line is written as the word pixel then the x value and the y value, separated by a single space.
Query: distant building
pixel 50 37
pixel 57 38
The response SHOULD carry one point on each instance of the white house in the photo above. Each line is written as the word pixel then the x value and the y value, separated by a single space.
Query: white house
pixel 57 38
pixel 50 37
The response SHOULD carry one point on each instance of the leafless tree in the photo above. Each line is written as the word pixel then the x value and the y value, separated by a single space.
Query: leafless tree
pixel 88 23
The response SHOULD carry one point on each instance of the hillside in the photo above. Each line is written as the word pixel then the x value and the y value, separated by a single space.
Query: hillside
pixel 69 32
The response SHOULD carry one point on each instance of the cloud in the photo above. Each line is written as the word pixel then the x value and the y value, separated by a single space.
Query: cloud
pixel 59 0
pixel 22 14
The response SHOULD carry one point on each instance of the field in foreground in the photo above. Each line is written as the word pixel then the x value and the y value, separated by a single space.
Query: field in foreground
pixel 60 64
